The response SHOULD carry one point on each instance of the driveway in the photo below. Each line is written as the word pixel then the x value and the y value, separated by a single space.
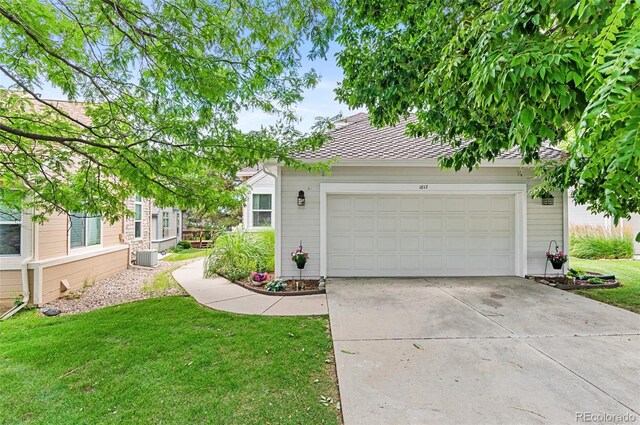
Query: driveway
pixel 481 351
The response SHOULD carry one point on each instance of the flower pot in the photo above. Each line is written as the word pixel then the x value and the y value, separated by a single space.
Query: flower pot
pixel 557 265
pixel 301 264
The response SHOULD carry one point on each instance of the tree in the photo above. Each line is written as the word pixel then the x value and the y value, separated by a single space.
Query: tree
pixel 162 83
pixel 504 74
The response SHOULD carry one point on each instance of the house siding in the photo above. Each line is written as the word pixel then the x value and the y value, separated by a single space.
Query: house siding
pixel 544 223
pixel 11 287
pixel 81 272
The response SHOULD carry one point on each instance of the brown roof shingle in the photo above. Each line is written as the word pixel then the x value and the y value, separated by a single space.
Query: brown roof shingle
pixel 354 138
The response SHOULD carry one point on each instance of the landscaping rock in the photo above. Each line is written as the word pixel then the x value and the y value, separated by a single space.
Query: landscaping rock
pixel 51 312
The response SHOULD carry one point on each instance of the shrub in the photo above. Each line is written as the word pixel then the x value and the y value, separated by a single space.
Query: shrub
pixel 238 253
pixel 598 242
pixel 184 244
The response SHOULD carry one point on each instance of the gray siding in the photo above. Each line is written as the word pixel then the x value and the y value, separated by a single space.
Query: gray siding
pixel 303 223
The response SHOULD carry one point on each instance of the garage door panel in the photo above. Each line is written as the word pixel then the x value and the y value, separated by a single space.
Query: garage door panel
pixel 387 224
pixel 430 224
pixel 409 223
pixel 342 223
pixel 456 224
pixel 410 243
pixel 364 224
pixel 421 235
pixel 387 243
pixel 455 204
pixel 431 204
pixel 364 204
pixel 364 243
pixel 432 242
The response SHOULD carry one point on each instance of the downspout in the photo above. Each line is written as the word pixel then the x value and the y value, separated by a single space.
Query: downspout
pixel 24 270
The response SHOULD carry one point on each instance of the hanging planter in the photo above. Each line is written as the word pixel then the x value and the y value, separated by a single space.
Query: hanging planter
pixel 300 257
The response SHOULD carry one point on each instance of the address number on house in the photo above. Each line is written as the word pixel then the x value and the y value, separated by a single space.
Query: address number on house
pixel 423 187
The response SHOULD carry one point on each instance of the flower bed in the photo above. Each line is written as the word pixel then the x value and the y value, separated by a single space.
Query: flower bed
pixel 294 287
pixel 571 283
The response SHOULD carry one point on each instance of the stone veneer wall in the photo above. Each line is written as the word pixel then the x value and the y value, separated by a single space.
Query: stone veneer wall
pixel 129 227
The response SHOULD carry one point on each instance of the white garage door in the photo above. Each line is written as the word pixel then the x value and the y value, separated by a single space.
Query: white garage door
pixel 420 235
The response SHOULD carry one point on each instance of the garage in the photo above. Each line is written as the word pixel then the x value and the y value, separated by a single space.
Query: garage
pixel 421 235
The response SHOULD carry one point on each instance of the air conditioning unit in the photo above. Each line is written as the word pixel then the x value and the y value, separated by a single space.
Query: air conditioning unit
pixel 147 257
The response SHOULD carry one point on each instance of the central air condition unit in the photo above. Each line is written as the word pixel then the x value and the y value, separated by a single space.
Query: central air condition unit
pixel 147 257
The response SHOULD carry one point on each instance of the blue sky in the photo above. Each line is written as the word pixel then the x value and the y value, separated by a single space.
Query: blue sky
pixel 317 102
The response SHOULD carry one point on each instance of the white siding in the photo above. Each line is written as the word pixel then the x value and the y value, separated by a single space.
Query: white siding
pixel 303 223
pixel 260 183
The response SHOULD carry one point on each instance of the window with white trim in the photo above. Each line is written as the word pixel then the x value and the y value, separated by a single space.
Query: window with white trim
pixel 137 219
pixel 261 210
pixel 85 230
pixel 10 231
pixel 165 224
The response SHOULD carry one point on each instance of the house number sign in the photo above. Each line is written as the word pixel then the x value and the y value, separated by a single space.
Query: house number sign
pixel 423 187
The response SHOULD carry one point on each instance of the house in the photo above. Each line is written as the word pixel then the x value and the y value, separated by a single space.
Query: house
pixel 258 212
pixel 579 215
pixel 166 227
pixel 387 209
pixel 66 252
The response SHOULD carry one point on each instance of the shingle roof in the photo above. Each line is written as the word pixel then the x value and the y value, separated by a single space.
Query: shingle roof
pixel 354 138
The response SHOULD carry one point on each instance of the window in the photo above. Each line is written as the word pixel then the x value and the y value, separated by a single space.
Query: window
pixel 85 230
pixel 261 210
pixel 10 231
pixel 177 224
pixel 137 219
pixel 165 224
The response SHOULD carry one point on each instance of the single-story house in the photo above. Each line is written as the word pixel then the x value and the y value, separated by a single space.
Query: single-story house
pixel 579 215
pixel 387 209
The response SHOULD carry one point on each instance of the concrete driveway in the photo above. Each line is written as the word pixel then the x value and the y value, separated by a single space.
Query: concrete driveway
pixel 481 351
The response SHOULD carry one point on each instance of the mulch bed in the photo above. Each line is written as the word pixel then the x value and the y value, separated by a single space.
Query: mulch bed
pixel 294 287
pixel 569 284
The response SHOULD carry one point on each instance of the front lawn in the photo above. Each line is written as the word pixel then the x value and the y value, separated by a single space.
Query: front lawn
pixel 626 271
pixel 186 254
pixel 165 360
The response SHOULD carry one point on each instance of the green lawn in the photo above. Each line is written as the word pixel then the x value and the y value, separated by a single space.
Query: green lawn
pixel 186 254
pixel 626 271
pixel 165 360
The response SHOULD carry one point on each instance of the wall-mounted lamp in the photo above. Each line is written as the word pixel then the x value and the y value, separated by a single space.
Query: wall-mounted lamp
pixel 547 199
pixel 301 198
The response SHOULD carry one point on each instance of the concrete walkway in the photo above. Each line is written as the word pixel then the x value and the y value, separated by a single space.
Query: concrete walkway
pixel 220 294
pixel 481 351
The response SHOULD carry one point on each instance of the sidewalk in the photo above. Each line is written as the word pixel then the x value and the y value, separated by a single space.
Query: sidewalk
pixel 220 294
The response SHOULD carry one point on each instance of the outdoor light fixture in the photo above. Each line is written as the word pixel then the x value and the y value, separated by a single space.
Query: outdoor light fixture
pixel 301 198
pixel 547 199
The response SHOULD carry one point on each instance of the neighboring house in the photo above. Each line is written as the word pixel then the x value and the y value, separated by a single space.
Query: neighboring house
pixel 66 252
pixel 387 209
pixel 579 215
pixel 166 227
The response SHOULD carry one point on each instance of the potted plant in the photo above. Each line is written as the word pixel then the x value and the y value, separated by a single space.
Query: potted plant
pixel 557 259
pixel 300 257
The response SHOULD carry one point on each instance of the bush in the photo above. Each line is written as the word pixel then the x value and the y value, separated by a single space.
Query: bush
pixel 184 244
pixel 236 254
pixel 598 242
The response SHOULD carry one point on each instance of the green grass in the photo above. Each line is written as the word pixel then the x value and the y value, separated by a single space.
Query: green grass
pixel 165 360
pixel 597 242
pixel 162 281
pixel 186 254
pixel 626 271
